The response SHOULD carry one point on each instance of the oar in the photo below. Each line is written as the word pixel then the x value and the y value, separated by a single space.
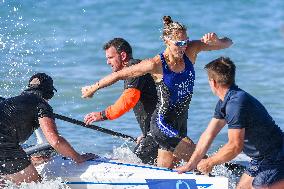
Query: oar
pixel 94 127
pixel 38 148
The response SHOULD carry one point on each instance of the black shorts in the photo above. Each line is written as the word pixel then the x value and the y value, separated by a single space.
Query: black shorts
pixel 165 142
pixel 147 150
pixel 15 160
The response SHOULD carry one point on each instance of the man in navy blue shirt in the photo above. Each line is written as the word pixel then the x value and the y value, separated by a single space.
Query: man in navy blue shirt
pixel 250 129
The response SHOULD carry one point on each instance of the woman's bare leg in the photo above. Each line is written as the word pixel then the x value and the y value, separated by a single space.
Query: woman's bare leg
pixel 165 159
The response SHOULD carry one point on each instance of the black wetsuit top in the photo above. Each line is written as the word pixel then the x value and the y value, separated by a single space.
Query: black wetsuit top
pixel 19 118
pixel 146 105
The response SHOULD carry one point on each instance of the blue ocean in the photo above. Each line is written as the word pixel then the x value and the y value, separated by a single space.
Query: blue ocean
pixel 64 39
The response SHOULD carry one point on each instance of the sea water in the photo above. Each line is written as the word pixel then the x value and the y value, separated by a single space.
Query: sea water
pixel 65 39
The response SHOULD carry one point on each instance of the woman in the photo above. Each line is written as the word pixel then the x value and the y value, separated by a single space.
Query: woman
pixel 174 75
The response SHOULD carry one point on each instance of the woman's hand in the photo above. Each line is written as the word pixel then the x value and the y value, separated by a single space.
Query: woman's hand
pixel 213 42
pixel 210 39
pixel 89 91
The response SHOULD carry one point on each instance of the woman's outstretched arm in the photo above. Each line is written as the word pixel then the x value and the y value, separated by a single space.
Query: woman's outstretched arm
pixel 208 42
pixel 142 68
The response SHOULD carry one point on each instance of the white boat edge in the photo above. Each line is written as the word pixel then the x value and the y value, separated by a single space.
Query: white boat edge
pixel 107 173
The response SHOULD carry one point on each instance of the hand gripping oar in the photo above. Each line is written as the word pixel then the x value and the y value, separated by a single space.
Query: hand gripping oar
pixel 94 127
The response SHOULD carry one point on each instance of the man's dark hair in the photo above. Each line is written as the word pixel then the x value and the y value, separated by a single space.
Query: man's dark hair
pixel 121 45
pixel 42 85
pixel 222 70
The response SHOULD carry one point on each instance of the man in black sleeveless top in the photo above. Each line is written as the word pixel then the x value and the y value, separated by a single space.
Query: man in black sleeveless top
pixel 139 93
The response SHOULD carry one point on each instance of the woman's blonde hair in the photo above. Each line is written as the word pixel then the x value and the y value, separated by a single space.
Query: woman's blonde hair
pixel 171 28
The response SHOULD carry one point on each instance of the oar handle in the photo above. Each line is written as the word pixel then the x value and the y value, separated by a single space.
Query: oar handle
pixel 37 148
pixel 94 127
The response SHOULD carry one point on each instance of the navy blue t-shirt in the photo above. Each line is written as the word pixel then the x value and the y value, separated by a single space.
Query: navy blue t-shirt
pixel 242 111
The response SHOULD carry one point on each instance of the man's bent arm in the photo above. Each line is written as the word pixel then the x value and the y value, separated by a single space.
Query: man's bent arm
pixel 230 150
pixel 203 144
pixel 56 141
pixel 206 139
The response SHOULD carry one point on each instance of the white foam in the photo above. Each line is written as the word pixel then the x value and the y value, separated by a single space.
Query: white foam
pixel 124 153
pixel 54 184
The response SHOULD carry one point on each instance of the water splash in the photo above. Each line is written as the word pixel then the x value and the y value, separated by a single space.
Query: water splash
pixel 54 184
pixel 233 173
pixel 124 153
pixel 14 48
pixel 221 170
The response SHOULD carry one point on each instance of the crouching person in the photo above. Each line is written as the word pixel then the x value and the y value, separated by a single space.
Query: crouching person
pixel 250 129
pixel 20 116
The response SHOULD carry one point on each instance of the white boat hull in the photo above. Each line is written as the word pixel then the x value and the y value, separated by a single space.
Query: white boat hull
pixel 106 173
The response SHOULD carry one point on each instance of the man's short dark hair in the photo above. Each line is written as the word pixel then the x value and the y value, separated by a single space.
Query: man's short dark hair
pixel 222 70
pixel 41 84
pixel 120 44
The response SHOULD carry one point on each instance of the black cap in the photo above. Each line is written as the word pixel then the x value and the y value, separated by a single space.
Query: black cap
pixel 41 81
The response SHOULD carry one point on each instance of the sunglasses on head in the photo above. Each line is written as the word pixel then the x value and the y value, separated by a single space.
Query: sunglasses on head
pixel 181 43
